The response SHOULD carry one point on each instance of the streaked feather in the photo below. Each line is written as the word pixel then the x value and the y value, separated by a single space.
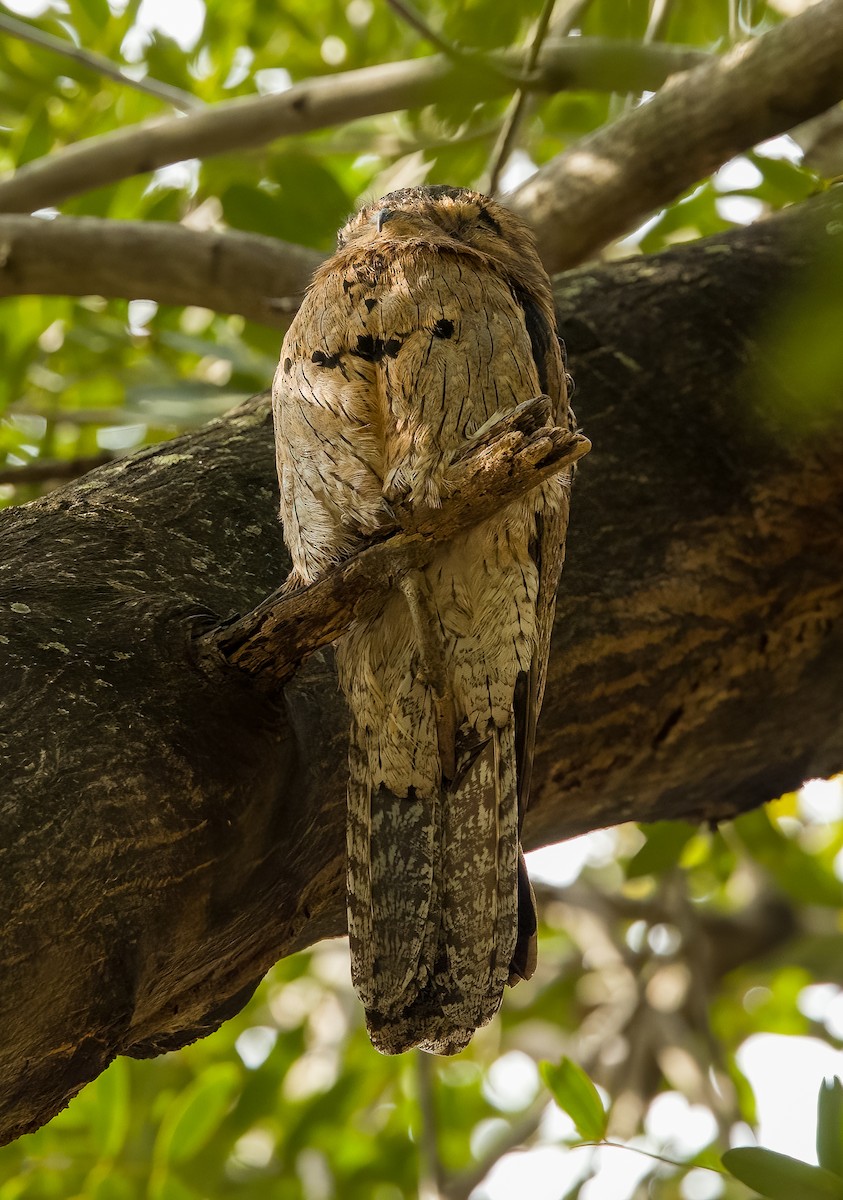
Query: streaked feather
pixel 431 321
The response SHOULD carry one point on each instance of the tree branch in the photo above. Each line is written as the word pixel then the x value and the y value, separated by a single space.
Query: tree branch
pixel 25 32
pixel 603 185
pixel 44 470
pixel 152 260
pixel 505 141
pixel 173 830
pixel 273 639
pixel 245 123
pixel 577 202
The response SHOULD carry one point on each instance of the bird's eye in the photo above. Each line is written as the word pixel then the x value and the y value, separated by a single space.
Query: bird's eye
pixel 486 218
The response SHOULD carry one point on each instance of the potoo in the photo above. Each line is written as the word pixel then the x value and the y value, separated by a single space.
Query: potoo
pixel 433 319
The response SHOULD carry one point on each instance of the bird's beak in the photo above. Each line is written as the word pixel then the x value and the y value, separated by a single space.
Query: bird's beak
pixel 383 216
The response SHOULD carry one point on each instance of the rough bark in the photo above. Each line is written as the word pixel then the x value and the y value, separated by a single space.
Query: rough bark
pixel 154 260
pixel 170 832
pixel 701 118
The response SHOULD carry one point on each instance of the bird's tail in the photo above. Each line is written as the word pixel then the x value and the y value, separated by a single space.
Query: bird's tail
pixel 393 852
pixel 433 895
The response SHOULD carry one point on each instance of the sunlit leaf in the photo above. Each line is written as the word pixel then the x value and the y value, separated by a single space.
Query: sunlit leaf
pixel 576 1095
pixel 798 873
pixel 97 11
pixel 194 1116
pixel 664 845
pixel 784 181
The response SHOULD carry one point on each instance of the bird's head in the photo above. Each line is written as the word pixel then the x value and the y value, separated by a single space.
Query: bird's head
pixel 448 218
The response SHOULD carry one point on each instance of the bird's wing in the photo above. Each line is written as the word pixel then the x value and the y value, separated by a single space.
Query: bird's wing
pixel 547 548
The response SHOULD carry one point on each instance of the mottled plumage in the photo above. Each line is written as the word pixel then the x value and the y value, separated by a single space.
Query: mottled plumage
pixel 433 318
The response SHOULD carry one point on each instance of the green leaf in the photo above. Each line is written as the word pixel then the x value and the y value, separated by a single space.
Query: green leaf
pixel 164 1186
pixel 311 203
pixel 830 1125
pixel 576 1095
pixel 97 11
pixel 111 1092
pixel 780 1177
pixel 37 137
pixel 250 209
pixel 664 845
pixel 196 1113
pixel 799 874
pixel 784 182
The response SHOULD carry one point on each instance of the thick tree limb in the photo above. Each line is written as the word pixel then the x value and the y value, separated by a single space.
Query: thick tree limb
pixel 602 186
pixel 243 124
pixel 152 260
pixel 171 830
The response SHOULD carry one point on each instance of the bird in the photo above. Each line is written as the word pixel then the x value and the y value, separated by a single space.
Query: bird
pixel 433 319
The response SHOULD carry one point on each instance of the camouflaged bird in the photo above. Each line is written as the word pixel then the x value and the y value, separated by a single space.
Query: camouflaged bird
pixel 433 319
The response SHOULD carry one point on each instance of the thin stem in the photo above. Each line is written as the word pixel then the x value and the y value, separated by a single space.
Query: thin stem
pixel 411 15
pixel 430 1167
pixel 519 103
pixel 512 120
pixel 662 1158
pixel 660 13
pixel 96 62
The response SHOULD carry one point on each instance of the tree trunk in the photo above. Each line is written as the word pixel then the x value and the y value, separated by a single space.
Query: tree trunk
pixel 172 830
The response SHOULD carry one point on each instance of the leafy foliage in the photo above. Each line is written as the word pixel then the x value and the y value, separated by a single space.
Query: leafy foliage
pixel 576 1095
pixel 84 377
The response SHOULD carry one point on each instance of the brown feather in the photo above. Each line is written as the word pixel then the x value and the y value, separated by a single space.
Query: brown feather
pixel 433 319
